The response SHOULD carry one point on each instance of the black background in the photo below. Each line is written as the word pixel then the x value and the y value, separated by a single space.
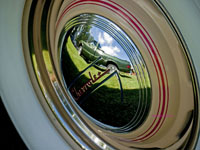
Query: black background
pixel 9 138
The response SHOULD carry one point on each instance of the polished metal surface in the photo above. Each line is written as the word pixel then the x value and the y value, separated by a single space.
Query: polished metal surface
pixel 105 73
pixel 110 81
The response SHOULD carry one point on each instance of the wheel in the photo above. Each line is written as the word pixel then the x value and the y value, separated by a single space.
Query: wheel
pixel 58 101
pixel 112 68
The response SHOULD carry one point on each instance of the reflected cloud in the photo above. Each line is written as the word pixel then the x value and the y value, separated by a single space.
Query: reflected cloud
pixel 111 50
pixel 107 44
pixel 101 39
pixel 107 38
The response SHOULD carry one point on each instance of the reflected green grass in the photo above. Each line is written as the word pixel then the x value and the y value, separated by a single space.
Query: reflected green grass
pixel 105 104
pixel 129 80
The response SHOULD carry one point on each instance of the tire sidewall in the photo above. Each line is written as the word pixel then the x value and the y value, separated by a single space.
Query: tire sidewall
pixel 16 90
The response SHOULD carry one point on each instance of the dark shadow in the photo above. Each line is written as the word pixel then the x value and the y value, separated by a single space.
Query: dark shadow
pixel 99 68
pixel 105 106
pixel 124 76
pixel 10 139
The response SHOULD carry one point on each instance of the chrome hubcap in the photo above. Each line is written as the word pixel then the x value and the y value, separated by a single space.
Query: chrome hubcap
pixel 93 49
pixel 111 76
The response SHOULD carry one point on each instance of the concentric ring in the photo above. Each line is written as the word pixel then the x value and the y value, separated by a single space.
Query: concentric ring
pixel 147 40
pixel 137 26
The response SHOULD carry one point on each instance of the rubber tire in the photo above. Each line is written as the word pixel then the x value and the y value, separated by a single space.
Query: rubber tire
pixel 114 67
pixel 15 87
pixel 16 90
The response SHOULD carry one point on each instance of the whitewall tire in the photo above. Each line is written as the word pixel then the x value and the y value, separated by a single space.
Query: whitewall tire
pixel 49 89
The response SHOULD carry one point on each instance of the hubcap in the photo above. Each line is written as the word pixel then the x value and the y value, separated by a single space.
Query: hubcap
pixel 118 99
pixel 111 74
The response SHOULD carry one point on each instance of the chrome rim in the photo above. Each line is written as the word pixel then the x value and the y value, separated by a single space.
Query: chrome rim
pixel 111 80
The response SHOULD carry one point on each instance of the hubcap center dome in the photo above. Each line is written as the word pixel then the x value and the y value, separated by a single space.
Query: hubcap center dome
pixel 104 73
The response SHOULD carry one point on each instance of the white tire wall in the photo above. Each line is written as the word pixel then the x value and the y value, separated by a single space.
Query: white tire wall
pixel 17 93
pixel 186 15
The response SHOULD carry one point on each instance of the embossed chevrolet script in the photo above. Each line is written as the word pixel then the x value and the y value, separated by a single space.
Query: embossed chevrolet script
pixel 78 93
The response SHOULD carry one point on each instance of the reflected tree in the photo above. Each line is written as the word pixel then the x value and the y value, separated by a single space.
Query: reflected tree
pixel 82 32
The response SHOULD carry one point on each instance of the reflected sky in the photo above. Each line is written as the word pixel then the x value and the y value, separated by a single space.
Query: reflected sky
pixel 108 44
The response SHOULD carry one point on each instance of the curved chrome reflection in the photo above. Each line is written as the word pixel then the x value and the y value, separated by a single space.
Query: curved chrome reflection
pixel 105 77
pixel 105 73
